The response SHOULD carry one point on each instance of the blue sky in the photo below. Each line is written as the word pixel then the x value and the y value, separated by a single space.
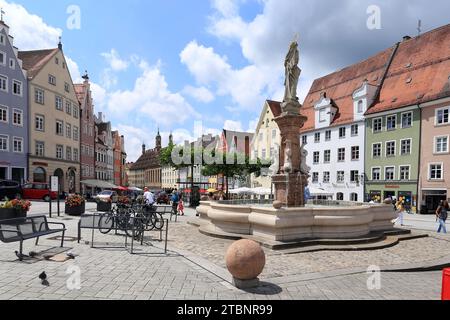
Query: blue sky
pixel 170 64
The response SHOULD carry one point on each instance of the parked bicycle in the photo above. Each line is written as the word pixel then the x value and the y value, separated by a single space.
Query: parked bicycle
pixel 150 218
pixel 120 218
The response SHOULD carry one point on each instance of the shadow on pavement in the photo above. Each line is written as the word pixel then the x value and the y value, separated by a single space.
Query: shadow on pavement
pixel 265 288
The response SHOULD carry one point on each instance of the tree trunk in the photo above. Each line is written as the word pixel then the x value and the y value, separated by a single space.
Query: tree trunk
pixel 192 187
pixel 227 188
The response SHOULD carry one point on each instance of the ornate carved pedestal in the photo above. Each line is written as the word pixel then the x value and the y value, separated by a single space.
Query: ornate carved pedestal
pixel 290 186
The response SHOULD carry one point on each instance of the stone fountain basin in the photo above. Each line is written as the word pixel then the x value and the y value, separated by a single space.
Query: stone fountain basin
pixel 295 224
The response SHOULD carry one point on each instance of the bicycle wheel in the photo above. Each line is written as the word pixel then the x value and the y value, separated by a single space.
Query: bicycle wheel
pixel 106 223
pixel 134 223
pixel 157 221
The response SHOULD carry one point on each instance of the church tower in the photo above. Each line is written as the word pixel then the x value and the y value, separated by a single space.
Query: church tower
pixel 158 141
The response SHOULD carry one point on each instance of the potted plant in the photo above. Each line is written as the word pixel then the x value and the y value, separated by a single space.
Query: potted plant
pixel 75 205
pixel 14 209
pixel 104 205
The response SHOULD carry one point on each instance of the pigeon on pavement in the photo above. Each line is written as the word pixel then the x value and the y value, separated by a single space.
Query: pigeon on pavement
pixel 43 277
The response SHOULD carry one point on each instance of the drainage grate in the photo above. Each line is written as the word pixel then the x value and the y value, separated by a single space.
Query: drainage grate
pixel 59 238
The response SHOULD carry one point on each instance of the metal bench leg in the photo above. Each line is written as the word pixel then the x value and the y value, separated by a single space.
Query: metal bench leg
pixel 79 231
pixel 21 251
pixel 62 240
pixel 37 240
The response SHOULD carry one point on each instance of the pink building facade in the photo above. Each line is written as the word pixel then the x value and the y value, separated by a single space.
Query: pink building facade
pixel 87 142
pixel 434 184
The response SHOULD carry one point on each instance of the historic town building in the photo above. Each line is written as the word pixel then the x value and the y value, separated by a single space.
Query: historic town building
pixel 266 142
pixel 120 158
pixel 434 179
pixel 54 137
pixel 87 146
pixel 147 171
pixel 192 175
pixel 13 111
pixel 407 129
pixel 105 151
pixel 101 155
pixel 169 175
pixel 234 142
pixel 334 134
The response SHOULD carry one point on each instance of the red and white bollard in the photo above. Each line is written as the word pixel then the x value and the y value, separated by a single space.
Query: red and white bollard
pixel 446 285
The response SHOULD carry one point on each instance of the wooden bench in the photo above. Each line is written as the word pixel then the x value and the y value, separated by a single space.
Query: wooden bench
pixel 21 229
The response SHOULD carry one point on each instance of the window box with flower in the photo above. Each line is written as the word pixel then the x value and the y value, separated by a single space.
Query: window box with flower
pixel 75 205
pixel 14 209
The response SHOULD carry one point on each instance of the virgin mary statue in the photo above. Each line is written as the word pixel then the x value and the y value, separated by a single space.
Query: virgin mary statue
pixel 292 74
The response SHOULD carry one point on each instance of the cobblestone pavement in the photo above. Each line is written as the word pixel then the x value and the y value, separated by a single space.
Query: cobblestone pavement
pixel 115 274
pixel 188 238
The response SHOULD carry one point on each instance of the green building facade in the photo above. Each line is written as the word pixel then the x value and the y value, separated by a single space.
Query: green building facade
pixel 392 155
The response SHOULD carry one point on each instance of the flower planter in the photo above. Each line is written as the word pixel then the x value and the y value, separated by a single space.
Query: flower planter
pixel 6 214
pixel 104 206
pixel 75 211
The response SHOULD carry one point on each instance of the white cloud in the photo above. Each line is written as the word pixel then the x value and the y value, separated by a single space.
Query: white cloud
pixel 115 62
pixel 252 125
pixel 30 31
pixel 99 96
pixel 201 94
pixel 226 7
pixel 233 125
pixel 151 98
pixel 74 70
pixel 134 138
pixel 248 87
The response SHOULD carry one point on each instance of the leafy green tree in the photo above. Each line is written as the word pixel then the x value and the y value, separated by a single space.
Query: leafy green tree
pixel 233 165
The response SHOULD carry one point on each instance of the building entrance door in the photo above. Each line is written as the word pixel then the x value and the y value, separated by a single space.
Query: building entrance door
pixel 432 201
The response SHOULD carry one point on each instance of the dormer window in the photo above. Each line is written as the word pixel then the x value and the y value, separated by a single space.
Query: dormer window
pixel 325 111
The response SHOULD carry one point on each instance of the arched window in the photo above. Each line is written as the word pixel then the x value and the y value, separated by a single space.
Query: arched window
pixel 39 175
pixel 360 106
pixel 354 197
pixel 340 196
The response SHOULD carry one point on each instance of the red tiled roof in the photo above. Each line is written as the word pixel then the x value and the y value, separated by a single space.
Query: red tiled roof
pixel 419 72
pixel 34 61
pixel 340 86
pixel 275 107
pixel 149 160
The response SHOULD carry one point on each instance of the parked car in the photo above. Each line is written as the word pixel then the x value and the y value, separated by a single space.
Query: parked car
pixel 162 198
pixel 10 190
pixel 106 196
pixel 38 191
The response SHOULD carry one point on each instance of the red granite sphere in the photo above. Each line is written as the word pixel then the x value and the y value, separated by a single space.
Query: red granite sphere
pixel 245 260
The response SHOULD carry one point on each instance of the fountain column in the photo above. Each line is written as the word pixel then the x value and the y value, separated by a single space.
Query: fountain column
pixel 290 182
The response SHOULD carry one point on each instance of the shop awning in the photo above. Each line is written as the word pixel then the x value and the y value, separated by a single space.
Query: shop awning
pixel 319 192
pixel 98 184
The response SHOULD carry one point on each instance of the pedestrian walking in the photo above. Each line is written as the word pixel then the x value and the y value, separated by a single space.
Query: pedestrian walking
pixel 181 207
pixel 175 200
pixel 442 215
pixel 401 211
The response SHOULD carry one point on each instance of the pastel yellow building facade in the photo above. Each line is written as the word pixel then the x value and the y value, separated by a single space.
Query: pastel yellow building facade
pixel 266 142
pixel 54 119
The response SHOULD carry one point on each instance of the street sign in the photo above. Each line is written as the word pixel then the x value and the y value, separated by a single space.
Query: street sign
pixel 54 184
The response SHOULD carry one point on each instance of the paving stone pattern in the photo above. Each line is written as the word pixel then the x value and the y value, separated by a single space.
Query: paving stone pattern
pixel 108 273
